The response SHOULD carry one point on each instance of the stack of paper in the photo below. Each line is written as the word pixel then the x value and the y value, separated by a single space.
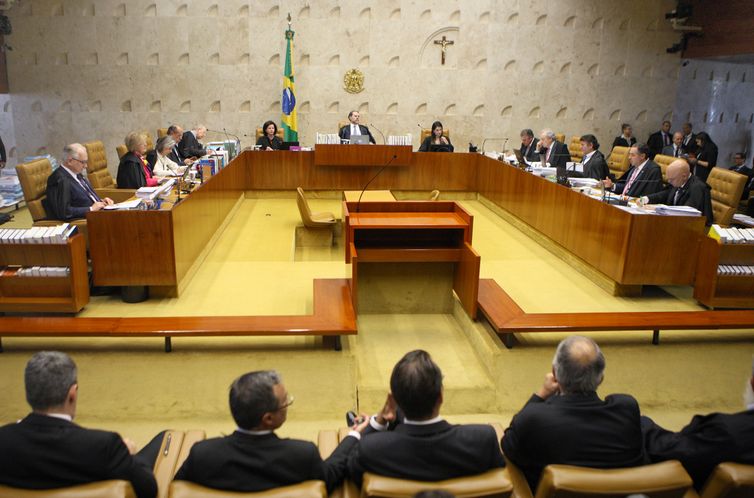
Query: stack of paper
pixel 147 193
pixel 677 210
pixel 400 139
pixel 10 189
pixel 732 235
pixel 131 204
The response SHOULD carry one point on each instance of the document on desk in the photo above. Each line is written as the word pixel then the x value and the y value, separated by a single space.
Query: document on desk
pixel 677 210
pixel 131 204
pixel 633 209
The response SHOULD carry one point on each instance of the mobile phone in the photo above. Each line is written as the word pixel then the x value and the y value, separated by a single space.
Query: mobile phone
pixel 352 418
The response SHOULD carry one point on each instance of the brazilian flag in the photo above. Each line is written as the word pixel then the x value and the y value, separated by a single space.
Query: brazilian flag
pixel 290 122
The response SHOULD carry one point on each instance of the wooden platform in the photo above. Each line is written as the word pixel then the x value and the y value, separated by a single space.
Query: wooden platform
pixel 507 318
pixel 333 315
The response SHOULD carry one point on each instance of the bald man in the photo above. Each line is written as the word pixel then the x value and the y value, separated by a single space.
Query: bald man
pixel 684 189
pixel 69 193
pixel 566 422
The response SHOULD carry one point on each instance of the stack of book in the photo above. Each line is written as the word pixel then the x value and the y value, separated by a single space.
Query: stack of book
pixel 677 210
pixel 37 235
pixel 10 188
pixel 735 270
pixel 732 235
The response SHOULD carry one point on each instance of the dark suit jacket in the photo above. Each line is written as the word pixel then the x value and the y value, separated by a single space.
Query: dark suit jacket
pixel 708 154
pixel 559 155
pixel 131 172
pixel 596 167
pixel 175 155
pixel 426 452
pixel 696 193
pixel 689 146
pixel 707 441
pixel 669 150
pixel 427 145
pixel 656 143
pixel 745 170
pixel 575 430
pixel 189 146
pixel 242 462
pixel 152 159
pixel 345 132
pixel 531 154
pixel 648 182
pixel 66 198
pixel 274 144
pixel 621 142
pixel 42 452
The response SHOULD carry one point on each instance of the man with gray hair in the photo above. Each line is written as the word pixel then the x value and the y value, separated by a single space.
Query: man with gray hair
pixel 190 146
pixel 69 193
pixel 47 450
pixel 565 422
pixel 551 151
pixel 254 458
pixel 707 440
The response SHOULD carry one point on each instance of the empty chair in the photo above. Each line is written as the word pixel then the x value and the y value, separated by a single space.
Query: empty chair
pixel 730 480
pixel 491 484
pixel 162 132
pixel 313 220
pixel 434 195
pixel 560 137
pixel 727 187
pixel 617 161
pixel 660 480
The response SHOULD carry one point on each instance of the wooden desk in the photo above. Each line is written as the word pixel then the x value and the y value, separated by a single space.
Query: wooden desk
pixel 362 155
pixel 369 196
pixel 414 232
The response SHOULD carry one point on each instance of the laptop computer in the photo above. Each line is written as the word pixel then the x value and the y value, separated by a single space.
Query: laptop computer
pixel 288 145
pixel 439 148
pixel 360 139
pixel 520 158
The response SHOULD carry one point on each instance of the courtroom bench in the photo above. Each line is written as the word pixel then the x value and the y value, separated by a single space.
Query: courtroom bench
pixel 507 318
pixel 333 315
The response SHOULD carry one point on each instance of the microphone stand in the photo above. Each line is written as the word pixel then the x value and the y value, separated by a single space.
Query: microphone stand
pixel 493 138
pixel 381 134
pixel 358 203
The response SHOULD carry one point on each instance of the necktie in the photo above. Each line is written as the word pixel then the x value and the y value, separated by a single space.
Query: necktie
pixel 630 181
pixel 677 150
pixel 355 130
pixel 175 151
pixel 547 156
pixel 676 196
pixel 665 139
pixel 89 190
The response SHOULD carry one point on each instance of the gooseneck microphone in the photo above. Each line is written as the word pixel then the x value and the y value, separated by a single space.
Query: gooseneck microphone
pixel 358 203
pixel 382 134
pixel 492 138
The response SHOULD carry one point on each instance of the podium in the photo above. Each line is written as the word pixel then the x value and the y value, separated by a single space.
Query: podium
pixel 413 232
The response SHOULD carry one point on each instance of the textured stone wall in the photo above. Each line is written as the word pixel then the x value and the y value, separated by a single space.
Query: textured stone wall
pixel 82 70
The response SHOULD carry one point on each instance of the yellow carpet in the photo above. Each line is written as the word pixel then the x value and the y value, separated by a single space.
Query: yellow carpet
pixel 131 386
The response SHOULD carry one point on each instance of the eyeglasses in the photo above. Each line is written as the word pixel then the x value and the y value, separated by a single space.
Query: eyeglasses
pixel 79 160
pixel 288 402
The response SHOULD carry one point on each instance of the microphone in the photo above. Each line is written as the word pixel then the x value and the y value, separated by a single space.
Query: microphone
pixel 358 203
pixel 382 134
pixel 492 138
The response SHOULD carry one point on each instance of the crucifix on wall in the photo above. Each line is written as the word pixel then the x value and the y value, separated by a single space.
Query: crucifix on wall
pixel 444 42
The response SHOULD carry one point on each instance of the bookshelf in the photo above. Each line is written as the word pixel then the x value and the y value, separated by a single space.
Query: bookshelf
pixel 730 290
pixel 45 294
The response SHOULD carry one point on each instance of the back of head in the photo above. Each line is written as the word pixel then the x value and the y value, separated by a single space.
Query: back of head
pixel 579 365
pixel 251 396
pixel 48 377
pixel 416 384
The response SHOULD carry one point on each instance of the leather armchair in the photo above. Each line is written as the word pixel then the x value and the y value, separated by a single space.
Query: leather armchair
pixel 173 452
pixel 730 480
pixel 660 480
pixel 617 161
pixel 427 132
pixel 278 134
pixel 306 489
pixel 110 489
pixel 663 162
pixel 560 137
pixel 99 175
pixel 162 132
pixel 490 484
pixel 33 178
pixel 574 148
pixel 727 187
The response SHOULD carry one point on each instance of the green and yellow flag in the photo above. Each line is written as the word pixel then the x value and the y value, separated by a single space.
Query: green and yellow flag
pixel 290 122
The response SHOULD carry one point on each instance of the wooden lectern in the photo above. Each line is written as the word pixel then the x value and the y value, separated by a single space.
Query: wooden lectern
pixel 414 232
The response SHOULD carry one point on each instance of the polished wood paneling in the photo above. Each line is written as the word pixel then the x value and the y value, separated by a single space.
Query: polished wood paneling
pixel 362 155
pixel 283 170
pixel 623 246
pixel 333 315
pixel 724 291
pixel 728 29
pixel 507 318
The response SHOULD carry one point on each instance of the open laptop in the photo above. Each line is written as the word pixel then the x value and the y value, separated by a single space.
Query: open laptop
pixel 360 139
pixel 520 158
pixel 288 145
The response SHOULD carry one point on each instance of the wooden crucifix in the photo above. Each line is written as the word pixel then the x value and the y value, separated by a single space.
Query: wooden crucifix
pixel 444 42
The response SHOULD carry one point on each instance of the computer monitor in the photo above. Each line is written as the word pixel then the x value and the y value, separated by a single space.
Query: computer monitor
pixel 360 139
